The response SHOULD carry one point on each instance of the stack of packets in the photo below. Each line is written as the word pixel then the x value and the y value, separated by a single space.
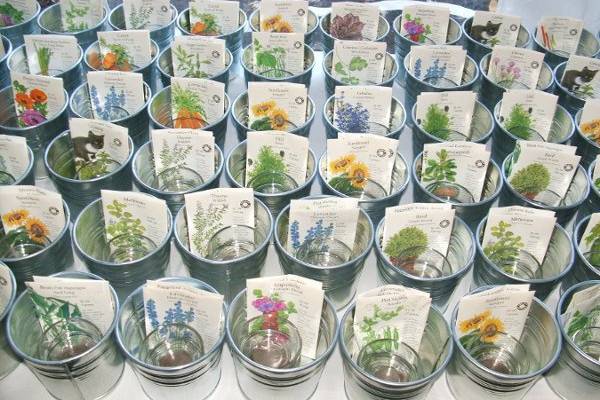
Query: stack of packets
pixel 494 29
pixel 589 245
pixel 542 172
pixel 115 95
pixel 559 34
pixel 196 102
pixel 276 106
pixel 147 14
pixel 51 55
pixel 581 77
pixel 528 114
pixel 354 21
pixel 124 51
pixel 214 17
pixel 582 319
pixel 515 67
pixel 425 24
pixel 14 158
pixel 198 56
pixel 589 122
pixel 446 115
pixel 438 65
pixel 36 98
pixel 283 16
pixel 416 238
pixel 363 109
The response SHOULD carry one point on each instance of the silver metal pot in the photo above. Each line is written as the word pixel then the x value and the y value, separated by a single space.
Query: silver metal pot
pixel 29 26
pixel 4 74
pixel 8 359
pixel 582 270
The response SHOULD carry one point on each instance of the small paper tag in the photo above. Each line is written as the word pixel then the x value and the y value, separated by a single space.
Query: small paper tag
pixel 358 62
pixel 581 77
pixel 446 115
pixel 197 56
pixel 278 55
pixel 210 211
pixel 560 34
pixel 79 15
pixel 289 297
pixel 283 16
pixel 528 114
pixel 51 54
pixel 583 310
pixel 438 65
pixel 36 98
pixel 425 24
pixel 493 29
pixel 196 103
pixel 362 19
pixel 276 152
pixel 115 95
pixel 514 67
pixel 124 50
pixel 362 109
pixel 14 155
pixel 214 17
pixel 276 105
pixel 147 14
pixel 17 11
pixel 6 287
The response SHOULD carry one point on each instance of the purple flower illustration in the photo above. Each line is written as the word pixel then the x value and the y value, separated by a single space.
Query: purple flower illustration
pixel 268 305
pixel 32 117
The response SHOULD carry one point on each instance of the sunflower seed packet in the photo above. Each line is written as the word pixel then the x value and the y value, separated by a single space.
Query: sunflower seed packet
pixel 494 29
pixel 122 50
pixel 51 54
pixel 79 15
pixel 528 114
pixel 583 310
pixel 274 300
pixel 513 67
pixel 446 115
pixel 589 122
pixel 197 56
pixel 363 109
pixel 441 66
pixel 354 21
pixel 196 103
pixel 559 34
pixel 278 55
pixel 358 62
pixel 37 98
pixel 15 12
pixel 6 287
pixel 581 77
pixel 14 157
pixel 425 24
pixel 276 105
pixel 115 95
pixel 283 16
pixel 147 14
pixel 214 17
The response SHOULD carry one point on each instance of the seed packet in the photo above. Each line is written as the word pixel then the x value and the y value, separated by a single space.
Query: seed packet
pixel 493 29
pixel 425 24
pixel 528 114
pixel 276 105
pixel 560 34
pixel 583 311
pixel 324 218
pixel 283 16
pixel 455 170
pixel 115 95
pixel 446 115
pixel 441 66
pixel 37 98
pixel 167 303
pixel 56 299
pixel 147 14
pixel 6 287
pixel 210 211
pixel 2 51
pixel 178 150
pixel 542 172
pixel 35 214
pixel 354 21
pixel 363 109
pixel 274 155
pixel 214 17
pixel 79 15
pixel 196 103
pixel 587 243
pixel 589 123
pixel 596 173
pixel 99 147
pixel 278 55
pixel 518 233
pixel 358 62
pixel 361 163
pixel 14 157
pixel 15 12
pixel 513 67
pixel 197 56
pixel 51 54
pixel 122 51
pixel 581 77
pixel 276 299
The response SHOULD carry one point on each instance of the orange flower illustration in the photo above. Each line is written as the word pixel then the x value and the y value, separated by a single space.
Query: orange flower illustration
pixel 15 217
pixel 24 100
pixel 109 61
pixel 269 23
pixel 38 96
pixel 283 27
pixel 198 28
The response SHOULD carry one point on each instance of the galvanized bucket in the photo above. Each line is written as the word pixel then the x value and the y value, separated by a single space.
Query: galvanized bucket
pixel 90 244
pixel 309 36
pixel 588 47
pixel 163 36
pixel 557 262
pixel 252 76
pixel 87 376
pixel 478 50
pixel 374 207
pixel 240 117
pixel 37 136
pixel 582 270
pixel 576 374
pixel 340 281
pixel 491 93
pixel 397 120
pixel 60 164
pixel 159 111
pixel 504 142
pixel 470 213
pixel 165 68
pixel 257 381
pixel 566 98
pixel 587 148
pixel 15 33
pixel 4 74
pixel 137 123
pixel 196 380
pixel 390 71
pixel 383 28
pixel 144 177
pixel 576 195
pixel 592 203
pixel 482 125
pixel 227 276
pixel 50 22
pixel 434 352
pixel 470 380
pixel 28 177
pixel 8 359
pixel 236 174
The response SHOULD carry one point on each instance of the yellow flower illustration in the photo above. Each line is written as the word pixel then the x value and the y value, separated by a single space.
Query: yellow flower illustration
pixel 591 129
pixel 341 164
pixel 37 230
pixel 264 108
pixel 283 27
pixel 473 323
pixel 358 173
pixel 269 23
pixel 489 329
pixel 15 217
pixel 278 118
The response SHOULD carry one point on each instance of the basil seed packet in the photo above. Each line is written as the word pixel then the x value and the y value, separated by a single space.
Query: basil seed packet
pixel 494 29
pixel 361 163
pixel 425 24
pixel 209 212
pixel 446 115
pixel 274 300
pixel 197 56
pixel 441 66
pixel 147 14
pixel 515 68
pixel 6 287
pixel 15 12
pixel 283 16
pixel 455 170
pixel 276 157
pixel 363 109
pixel 358 62
pixel 518 233
pixel 589 122
pixel 276 105
pixel 580 77
pixel 14 157
pixel 51 54
pixel 122 50
pixel 559 34
pixel 528 114
pixel 115 95
pixel 542 172
pixel 354 21
pixel 37 98
pixel 167 303
pixel 79 15
pixel 583 311
pixel 214 17
pixel 196 103
pixel 278 55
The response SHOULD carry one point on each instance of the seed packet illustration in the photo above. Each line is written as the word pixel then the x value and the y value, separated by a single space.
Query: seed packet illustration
pixel 214 17
pixel 425 24
pixel 354 21
pixel 283 16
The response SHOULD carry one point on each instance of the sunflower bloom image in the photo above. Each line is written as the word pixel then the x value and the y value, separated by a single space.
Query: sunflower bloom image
pixel 358 173
pixel 483 328
pixel 341 164
pixel 473 323
pixel 15 217
pixel 278 118
pixel 37 230
pixel 283 27
pixel 490 329
pixel 268 24
pixel 264 108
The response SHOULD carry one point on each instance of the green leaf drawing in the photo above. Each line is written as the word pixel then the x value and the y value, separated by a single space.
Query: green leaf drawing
pixel 519 122
pixel 270 62
pixel 410 238
pixel 444 169
pixel 368 326
pixel 206 224
pixel 356 63
pixel 190 64
pixel 507 246
pixel 71 15
pixel 140 17
pixel 437 122
pixel 125 231
pixel 531 180
pixel 267 161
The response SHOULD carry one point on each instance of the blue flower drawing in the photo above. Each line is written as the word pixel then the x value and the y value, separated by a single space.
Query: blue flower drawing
pixel 353 118
pixel 433 72
pixel 151 313
pixel 314 232
pixel 173 315
pixel 113 101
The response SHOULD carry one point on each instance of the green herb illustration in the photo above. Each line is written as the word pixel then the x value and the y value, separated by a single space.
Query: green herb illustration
pixel 71 16
pixel 357 63
pixel 188 110
pixel 3 166
pixel 267 162
pixel 207 24
pixel 580 322
pixel 50 310
pixel 519 122
pixel 190 64
pixel 406 244
pixel 437 122
pixel 44 54
pixel 116 58
pixel 368 325
pixel 98 167
pixel 173 159
pixel 124 230
pixel 506 247
pixel 442 169
pixel 139 18
pixel 592 240
pixel 531 180
pixel 585 90
pixel 597 183
pixel 206 224
pixel 9 15
pixel 270 62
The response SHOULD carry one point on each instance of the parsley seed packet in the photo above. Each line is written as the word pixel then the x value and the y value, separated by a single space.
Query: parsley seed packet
pixel 358 62
pixel 425 24
pixel 79 15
